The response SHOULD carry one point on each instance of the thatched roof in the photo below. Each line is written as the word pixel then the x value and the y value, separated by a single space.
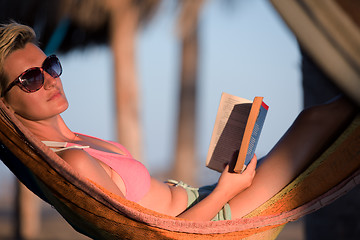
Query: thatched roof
pixel 76 23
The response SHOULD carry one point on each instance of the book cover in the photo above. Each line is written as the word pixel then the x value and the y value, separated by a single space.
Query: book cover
pixel 236 132
pixel 251 133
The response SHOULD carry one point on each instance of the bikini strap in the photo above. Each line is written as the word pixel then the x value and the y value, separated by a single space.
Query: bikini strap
pixel 61 146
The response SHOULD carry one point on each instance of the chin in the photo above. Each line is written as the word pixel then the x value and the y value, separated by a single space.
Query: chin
pixel 58 108
pixel 63 107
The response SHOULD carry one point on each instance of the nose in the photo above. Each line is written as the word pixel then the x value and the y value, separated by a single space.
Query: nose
pixel 49 81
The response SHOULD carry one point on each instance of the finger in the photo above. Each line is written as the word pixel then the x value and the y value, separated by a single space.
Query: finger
pixel 253 162
pixel 226 168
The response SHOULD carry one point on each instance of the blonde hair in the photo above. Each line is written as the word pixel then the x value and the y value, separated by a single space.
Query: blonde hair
pixel 13 36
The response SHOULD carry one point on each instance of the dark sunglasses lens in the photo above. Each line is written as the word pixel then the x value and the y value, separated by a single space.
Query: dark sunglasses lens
pixel 52 66
pixel 32 80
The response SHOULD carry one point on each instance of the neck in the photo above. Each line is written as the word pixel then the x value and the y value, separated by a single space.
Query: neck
pixel 53 129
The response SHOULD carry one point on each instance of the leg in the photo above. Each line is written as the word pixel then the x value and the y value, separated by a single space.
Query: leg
pixel 308 136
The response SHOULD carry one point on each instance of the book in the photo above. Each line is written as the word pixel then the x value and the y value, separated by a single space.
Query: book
pixel 236 132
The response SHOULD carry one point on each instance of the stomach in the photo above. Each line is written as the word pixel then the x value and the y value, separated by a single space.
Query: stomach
pixel 165 199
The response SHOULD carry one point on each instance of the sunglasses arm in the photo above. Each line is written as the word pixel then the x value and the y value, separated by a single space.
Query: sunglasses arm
pixel 12 84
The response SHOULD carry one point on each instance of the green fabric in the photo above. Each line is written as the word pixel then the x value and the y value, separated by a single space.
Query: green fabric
pixel 195 195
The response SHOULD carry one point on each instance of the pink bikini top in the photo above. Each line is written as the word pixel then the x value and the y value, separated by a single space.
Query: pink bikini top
pixel 134 174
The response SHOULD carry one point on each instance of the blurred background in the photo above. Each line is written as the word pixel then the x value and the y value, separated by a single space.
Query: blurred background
pixel 150 74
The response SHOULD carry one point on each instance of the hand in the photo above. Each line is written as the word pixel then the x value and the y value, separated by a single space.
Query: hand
pixel 231 184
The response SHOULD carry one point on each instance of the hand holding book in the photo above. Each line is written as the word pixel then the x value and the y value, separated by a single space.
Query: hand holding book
pixel 231 184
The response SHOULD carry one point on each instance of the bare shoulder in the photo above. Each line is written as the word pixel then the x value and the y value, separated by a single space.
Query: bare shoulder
pixel 76 157
pixel 90 168
pixel 72 152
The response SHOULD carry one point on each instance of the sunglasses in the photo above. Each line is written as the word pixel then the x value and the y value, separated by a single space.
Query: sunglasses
pixel 33 79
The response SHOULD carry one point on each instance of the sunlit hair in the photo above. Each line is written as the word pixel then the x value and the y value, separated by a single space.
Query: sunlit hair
pixel 13 36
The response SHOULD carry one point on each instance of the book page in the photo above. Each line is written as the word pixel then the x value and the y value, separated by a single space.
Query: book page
pixel 229 124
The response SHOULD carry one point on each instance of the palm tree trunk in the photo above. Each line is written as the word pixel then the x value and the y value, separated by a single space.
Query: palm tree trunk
pixel 123 28
pixel 27 213
pixel 185 164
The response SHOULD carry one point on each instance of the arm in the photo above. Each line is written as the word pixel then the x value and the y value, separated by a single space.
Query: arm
pixel 229 185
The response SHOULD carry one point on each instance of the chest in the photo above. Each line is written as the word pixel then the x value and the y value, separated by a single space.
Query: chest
pixel 131 176
pixel 114 176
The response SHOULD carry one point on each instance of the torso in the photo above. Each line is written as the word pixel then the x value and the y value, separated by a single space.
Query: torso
pixel 160 197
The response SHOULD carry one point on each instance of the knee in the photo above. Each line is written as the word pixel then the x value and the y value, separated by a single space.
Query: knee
pixel 312 114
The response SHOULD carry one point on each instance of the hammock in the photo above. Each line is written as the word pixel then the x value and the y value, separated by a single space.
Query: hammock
pixel 329 31
pixel 98 214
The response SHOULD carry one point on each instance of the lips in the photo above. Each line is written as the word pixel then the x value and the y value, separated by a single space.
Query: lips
pixel 54 95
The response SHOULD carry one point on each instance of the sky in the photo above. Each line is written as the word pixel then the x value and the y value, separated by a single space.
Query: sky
pixel 245 49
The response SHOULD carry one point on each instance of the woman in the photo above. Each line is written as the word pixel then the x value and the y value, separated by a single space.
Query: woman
pixel 31 87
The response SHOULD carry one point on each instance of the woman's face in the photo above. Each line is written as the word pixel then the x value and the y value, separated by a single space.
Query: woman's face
pixel 43 104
